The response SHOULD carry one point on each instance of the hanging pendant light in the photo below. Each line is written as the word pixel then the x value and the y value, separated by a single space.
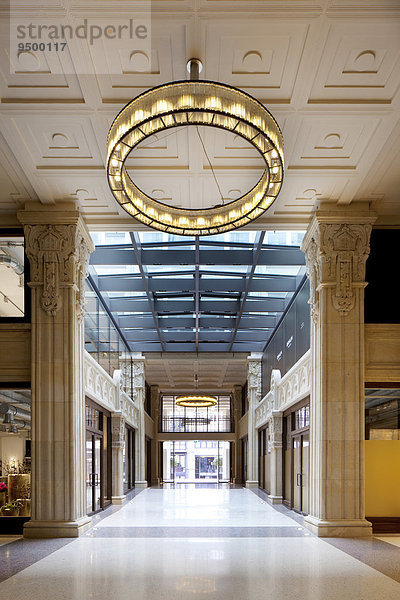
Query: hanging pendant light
pixel 187 103
pixel 196 401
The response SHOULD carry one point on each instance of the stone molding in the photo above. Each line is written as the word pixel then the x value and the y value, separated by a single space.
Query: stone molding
pixel 382 352
pixel 336 253
pixel 296 383
pixel 107 392
pixel 286 391
pixel 130 410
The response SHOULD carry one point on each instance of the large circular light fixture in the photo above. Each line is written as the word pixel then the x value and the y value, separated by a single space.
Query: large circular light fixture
pixel 196 401
pixel 206 103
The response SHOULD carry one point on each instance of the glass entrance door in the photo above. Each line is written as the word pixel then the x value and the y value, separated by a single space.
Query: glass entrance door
pixel 93 472
pixel 301 459
pixel 202 461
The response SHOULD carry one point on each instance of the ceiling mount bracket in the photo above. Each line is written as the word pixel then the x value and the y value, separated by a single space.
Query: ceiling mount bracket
pixel 194 67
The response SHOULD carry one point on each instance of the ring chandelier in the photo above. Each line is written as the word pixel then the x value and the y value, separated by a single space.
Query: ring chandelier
pixel 183 103
pixel 196 401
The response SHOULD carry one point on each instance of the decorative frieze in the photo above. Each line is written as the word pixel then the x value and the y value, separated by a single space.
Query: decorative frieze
pixel 295 385
pixel 107 390
pixel 286 391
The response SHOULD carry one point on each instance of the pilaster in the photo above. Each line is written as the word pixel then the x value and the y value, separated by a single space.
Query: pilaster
pixel 254 397
pixel 118 446
pixel 138 387
pixel 236 413
pixel 336 248
pixel 275 428
pixel 58 247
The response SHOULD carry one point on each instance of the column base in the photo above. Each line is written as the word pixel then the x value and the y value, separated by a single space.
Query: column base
pixel 141 484
pixel 118 499
pixel 275 499
pixel 251 484
pixel 345 528
pixel 56 529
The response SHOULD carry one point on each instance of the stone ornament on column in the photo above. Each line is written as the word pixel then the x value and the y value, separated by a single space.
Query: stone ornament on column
pixel 336 254
pixel 58 257
pixel 254 397
pixel 275 430
pixel 254 379
pixel 118 430
pixel 138 374
pixel 138 361
pixel 118 446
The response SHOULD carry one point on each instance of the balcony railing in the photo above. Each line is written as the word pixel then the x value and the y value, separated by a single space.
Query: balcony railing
pixel 195 425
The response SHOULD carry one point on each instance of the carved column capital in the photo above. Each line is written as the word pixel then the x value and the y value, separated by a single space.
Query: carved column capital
pixel 275 425
pixel 58 247
pixel 336 249
pixel 138 373
pixel 254 377
pixel 118 430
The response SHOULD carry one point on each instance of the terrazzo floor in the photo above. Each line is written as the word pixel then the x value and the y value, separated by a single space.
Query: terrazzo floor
pixel 189 543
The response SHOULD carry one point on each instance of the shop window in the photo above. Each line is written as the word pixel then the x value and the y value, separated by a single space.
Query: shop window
pixel 178 419
pixel 382 414
pixel 13 277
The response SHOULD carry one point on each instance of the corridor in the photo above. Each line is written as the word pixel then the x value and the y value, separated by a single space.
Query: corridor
pixel 193 542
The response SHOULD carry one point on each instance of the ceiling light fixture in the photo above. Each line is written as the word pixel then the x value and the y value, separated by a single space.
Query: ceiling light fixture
pixel 184 103
pixel 196 401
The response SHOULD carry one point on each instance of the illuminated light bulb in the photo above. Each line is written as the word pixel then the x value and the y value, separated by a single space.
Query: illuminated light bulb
pixel 201 221
pixel 275 169
pixel 117 178
pixel 274 153
pixel 271 184
pixel 115 162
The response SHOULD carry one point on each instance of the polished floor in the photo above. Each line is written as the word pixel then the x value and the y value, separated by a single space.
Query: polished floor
pixel 200 542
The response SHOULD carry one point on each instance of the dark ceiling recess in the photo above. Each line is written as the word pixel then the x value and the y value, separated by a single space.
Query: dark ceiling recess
pixel 381 295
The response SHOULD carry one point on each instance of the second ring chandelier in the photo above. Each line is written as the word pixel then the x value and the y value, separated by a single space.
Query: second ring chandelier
pixel 194 102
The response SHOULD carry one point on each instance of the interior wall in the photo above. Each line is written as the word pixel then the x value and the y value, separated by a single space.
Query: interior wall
pixel 12 447
pixel 382 481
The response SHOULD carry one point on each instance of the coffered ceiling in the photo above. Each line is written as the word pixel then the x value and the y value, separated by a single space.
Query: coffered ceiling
pixel 327 70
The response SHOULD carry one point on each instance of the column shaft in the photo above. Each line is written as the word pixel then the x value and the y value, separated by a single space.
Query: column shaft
pixel 254 396
pixel 118 446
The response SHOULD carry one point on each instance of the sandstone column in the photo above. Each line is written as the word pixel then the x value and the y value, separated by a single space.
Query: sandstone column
pixel 236 413
pixel 336 247
pixel 139 397
pixel 58 246
pixel 156 466
pixel 118 446
pixel 254 397
pixel 275 433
